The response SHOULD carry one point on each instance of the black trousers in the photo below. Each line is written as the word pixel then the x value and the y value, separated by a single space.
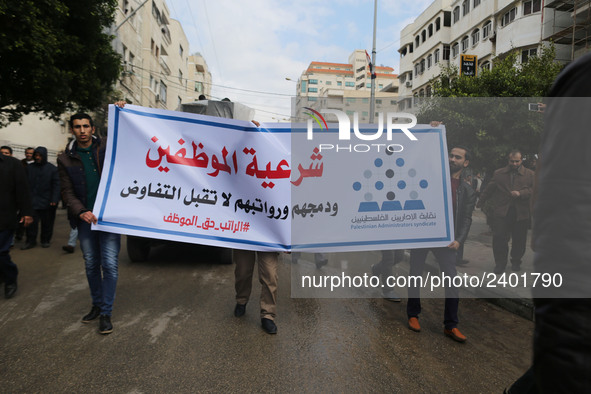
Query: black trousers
pixel 505 229
pixel 47 219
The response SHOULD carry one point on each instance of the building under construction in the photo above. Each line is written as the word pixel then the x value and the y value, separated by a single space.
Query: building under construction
pixel 568 24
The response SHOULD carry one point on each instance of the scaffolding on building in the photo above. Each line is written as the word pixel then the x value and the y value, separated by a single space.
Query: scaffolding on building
pixel 570 25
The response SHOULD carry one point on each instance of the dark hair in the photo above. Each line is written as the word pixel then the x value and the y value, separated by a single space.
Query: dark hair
pixel 80 115
pixel 468 154
pixel 514 152
pixel 30 148
pixel 6 147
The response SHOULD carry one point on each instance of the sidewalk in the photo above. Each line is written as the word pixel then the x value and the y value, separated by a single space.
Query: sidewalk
pixel 478 250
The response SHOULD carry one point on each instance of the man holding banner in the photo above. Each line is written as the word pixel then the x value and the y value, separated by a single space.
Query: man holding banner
pixel 80 168
pixel 463 199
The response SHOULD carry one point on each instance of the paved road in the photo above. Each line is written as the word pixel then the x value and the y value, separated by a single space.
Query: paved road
pixel 175 332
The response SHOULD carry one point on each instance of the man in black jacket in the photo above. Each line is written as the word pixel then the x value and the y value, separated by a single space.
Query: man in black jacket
pixel 15 206
pixel 80 169
pixel 562 235
pixel 44 184
pixel 464 199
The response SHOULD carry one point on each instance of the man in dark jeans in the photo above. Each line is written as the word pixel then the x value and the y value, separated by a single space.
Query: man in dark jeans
pixel 15 206
pixel 463 200
pixel 80 168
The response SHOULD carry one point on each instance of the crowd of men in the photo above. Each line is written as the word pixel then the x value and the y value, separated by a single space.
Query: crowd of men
pixel 31 191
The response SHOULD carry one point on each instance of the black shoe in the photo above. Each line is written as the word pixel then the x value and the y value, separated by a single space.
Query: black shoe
pixel 45 244
pixel 269 326
pixel 321 263
pixel 10 290
pixel 240 310
pixel 105 326
pixel 28 245
pixel 93 314
pixel 68 248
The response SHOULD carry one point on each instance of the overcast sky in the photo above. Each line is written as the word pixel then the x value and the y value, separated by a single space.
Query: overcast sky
pixel 254 45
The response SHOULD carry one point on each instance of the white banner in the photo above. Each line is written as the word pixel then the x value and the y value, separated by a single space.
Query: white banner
pixel 223 182
pixel 194 178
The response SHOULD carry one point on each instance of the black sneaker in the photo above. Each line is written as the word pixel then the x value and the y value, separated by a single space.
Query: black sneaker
pixel 105 326
pixel 93 314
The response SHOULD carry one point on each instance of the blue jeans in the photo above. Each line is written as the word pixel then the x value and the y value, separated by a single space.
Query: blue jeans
pixel 8 270
pixel 446 258
pixel 101 258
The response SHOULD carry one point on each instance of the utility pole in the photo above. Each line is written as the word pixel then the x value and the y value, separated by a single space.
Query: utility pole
pixel 372 99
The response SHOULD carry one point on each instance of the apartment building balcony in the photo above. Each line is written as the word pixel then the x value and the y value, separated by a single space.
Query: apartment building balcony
pixel 163 60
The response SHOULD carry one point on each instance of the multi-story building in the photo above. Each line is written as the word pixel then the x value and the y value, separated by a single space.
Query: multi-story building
pixel 199 78
pixel 155 55
pixel 345 86
pixel 448 31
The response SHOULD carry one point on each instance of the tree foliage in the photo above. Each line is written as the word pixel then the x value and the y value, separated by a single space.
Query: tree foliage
pixel 489 114
pixel 55 56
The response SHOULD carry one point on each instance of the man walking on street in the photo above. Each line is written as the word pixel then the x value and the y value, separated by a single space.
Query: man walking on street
pixel 15 206
pixel 463 201
pixel 80 168
pixel 509 192
pixel 44 184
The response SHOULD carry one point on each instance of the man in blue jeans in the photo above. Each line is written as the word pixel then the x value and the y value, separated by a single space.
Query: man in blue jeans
pixel 463 201
pixel 80 168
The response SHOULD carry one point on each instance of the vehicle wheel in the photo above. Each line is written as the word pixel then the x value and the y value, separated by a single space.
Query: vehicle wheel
pixel 138 248
pixel 225 255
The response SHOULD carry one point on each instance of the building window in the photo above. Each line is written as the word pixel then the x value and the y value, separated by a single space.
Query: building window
pixel 313 81
pixel 465 44
pixel 476 3
pixel 475 37
pixel 368 85
pixel 417 41
pixel 486 30
pixel 446 52
pixel 422 66
pixel 380 86
pixel 437 24
pixel 424 35
pixel 465 7
pixel 531 6
pixel 455 49
pixel 447 18
pixel 485 66
pixel 456 14
pixel 339 83
pixel 417 69
pixel 329 82
pixel 350 99
pixel 365 100
pixel 526 54
pixel 198 87
pixel 181 76
pixel 181 51
pixel 509 17
pixel 303 89
pixel 428 91
pixel 312 90
pixel 312 98
pixel 163 91
pixel 430 30
pixel 429 61
pixel 436 56
pixel 350 84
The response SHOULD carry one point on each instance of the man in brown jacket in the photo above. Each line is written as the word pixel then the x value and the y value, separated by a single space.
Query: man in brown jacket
pixel 509 192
